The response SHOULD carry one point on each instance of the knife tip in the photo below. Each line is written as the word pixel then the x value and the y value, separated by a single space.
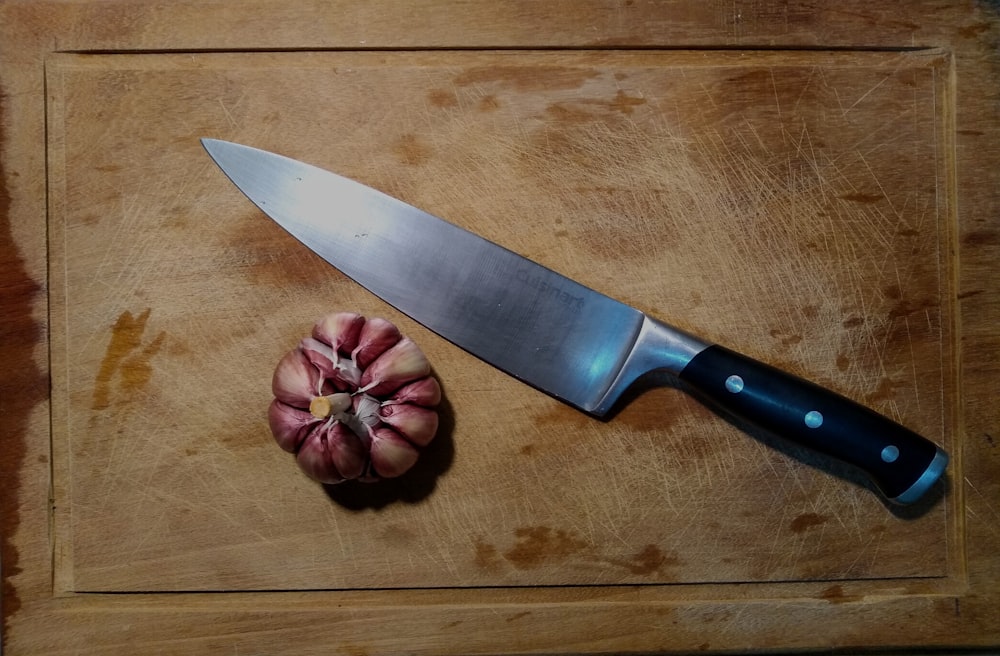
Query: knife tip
pixel 217 148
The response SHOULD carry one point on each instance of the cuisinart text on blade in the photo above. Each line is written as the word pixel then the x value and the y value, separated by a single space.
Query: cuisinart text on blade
pixel 551 332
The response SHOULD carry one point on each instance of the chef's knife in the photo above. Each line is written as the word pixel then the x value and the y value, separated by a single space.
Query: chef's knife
pixel 570 341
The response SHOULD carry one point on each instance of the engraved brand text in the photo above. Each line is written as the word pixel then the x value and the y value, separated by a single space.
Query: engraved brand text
pixel 545 289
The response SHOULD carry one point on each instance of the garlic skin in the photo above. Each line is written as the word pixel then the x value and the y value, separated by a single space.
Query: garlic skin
pixel 354 400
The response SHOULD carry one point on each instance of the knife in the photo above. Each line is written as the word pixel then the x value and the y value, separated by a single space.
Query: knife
pixel 551 332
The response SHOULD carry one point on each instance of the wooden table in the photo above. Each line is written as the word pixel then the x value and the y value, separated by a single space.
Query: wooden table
pixel 816 187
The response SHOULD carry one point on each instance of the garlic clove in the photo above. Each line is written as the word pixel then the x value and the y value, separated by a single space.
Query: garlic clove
pixel 391 454
pixel 289 425
pixel 348 454
pixel 321 355
pixel 314 459
pixel 334 337
pixel 340 330
pixel 416 424
pixel 296 380
pixel 425 391
pixel 377 336
pixel 401 364
pixel 340 370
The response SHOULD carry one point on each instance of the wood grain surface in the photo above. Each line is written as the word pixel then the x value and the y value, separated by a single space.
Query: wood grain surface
pixel 786 203
pixel 826 204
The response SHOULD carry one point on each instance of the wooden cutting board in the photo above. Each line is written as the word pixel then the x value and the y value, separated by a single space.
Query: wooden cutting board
pixel 787 204
pixel 798 205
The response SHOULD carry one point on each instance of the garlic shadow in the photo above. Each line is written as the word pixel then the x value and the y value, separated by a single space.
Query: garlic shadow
pixel 413 486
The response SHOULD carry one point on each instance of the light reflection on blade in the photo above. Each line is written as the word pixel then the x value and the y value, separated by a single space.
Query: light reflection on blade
pixel 519 316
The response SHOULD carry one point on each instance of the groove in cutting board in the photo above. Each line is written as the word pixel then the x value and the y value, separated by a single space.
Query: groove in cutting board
pixel 792 205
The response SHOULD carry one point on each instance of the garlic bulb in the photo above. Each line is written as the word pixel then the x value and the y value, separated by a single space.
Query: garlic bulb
pixel 355 400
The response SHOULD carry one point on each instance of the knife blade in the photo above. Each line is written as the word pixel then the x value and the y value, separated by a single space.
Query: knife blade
pixel 551 332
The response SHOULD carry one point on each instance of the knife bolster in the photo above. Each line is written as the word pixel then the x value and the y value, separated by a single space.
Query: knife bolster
pixel 658 346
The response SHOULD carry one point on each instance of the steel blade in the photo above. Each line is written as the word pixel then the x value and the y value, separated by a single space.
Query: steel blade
pixel 527 320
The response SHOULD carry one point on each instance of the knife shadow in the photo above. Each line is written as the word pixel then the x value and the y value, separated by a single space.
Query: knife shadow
pixel 813 459
pixel 413 486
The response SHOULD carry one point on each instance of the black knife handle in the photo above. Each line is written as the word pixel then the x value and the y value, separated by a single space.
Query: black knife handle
pixel 901 463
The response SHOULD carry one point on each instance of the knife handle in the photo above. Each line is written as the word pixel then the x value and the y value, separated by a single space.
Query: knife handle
pixel 901 463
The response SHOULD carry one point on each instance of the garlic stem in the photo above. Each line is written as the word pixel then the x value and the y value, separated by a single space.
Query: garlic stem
pixel 322 407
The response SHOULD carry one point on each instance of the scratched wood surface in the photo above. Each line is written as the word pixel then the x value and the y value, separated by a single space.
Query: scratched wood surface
pixel 829 211
pixel 784 203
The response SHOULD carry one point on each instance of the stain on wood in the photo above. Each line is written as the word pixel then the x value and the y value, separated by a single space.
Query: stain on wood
pixel 907 307
pixel 412 150
pixel 537 545
pixel 517 616
pixel 128 357
pixel 806 521
pixel 486 555
pixel 981 238
pixel 584 110
pixel 650 560
pixel 442 98
pixel 22 387
pixel 265 255
pixel 859 197
pixel 835 595
pixel 853 322
pixel 527 78
pixel 785 339
pixel 488 103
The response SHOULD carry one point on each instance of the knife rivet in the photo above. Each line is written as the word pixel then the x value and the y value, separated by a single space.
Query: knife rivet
pixel 814 419
pixel 734 384
pixel 890 453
